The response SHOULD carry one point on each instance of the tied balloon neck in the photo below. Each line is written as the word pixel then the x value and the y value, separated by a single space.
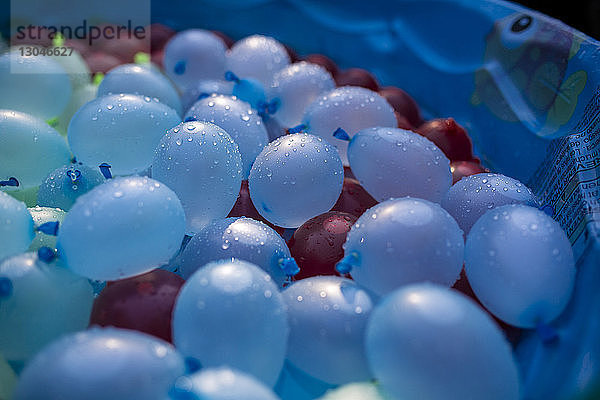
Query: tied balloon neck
pixel 297 129
pixel 46 254
pixel 202 95
pixel 347 263
pixel 548 209
pixel 12 181
pixel 6 287
pixel 547 334
pixel 74 174
pixel 266 109
pixel 231 77
pixel 289 266
pixel 180 67
pixel 49 228
pixel 105 170
pixel 192 365
pixel 341 134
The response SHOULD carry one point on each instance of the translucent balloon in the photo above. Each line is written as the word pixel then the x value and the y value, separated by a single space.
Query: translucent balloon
pixel 16 226
pixel 240 121
pixel 393 162
pixel 402 241
pixel 76 68
pixel 136 79
pixel 202 164
pixel 258 57
pixel 241 238
pixel 35 85
pixel 193 55
pixel 429 342
pixel 41 215
pixel 121 228
pixel 64 185
pixel 520 265
pixel 285 174
pixel 203 89
pixel 8 379
pixel 38 303
pixel 296 86
pixel 81 95
pixel 351 108
pixel 122 130
pixel 231 313
pixel 221 383
pixel 100 364
pixel 29 148
pixel 274 128
pixel 471 197
pixel 356 391
pixel 328 316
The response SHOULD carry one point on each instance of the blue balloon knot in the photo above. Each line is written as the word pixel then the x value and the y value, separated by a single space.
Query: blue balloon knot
pixel 341 134
pixel 289 266
pixel 105 170
pixel 346 264
pixel 548 209
pixel 180 67
pixel 203 95
pixel 297 129
pixel 6 287
pixel 49 228
pixel 190 119
pixel 12 181
pixel 547 334
pixel 231 77
pixel 46 254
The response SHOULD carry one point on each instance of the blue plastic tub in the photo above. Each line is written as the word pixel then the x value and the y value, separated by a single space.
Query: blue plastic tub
pixel 526 86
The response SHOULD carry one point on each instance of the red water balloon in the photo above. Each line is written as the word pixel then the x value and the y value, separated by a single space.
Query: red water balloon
pixel 291 53
pixel 101 62
pixel 402 121
pixel 354 199
pixel 324 62
pixel 244 207
pixel 460 169
pixel 402 104
pixel 348 172
pixel 356 77
pixel 159 36
pixel 317 244
pixel 450 137
pixel 143 303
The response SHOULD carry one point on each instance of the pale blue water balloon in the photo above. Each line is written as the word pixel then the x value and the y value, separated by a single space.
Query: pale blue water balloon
pixel 285 175
pixel 202 164
pixel 431 342
pixel 393 162
pixel 64 185
pixel 472 196
pixel 402 241
pixel 81 95
pixel 39 302
pixel 35 85
pixel 140 80
pixel 258 57
pixel 29 148
pixel 328 316
pixel 238 119
pixel 296 86
pixel 231 313
pixel 193 55
pixel 16 226
pixel 122 130
pixel 204 88
pixel 221 383
pixel 241 238
pixel 42 215
pixel 100 364
pixel 121 228
pixel 356 391
pixel 350 108
pixel 520 265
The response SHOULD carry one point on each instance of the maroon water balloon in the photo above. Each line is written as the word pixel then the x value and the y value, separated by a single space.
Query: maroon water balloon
pixel 450 137
pixel 460 169
pixel 317 244
pixel 403 104
pixel 244 207
pixel 354 199
pixel 324 62
pixel 143 303
pixel 159 36
pixel 101 62
pixel 356 77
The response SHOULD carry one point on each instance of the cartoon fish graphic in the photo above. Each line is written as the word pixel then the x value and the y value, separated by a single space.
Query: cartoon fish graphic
pixel 522 77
